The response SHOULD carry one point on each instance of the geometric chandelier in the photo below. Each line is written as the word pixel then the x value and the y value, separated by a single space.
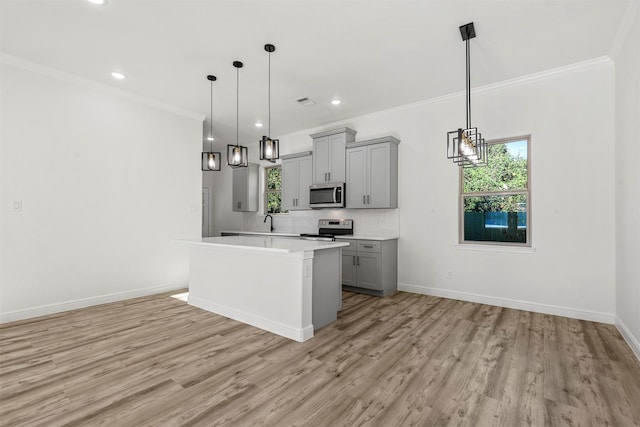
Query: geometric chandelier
pixel 237 155
pixel 211 160
pixel 269 148
pixel 467 147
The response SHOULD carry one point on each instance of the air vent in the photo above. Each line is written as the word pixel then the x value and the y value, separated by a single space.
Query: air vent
pixel 305 102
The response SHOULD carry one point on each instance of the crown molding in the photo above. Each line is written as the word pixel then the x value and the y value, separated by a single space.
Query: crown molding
pixel 630 15
pixel 26 65
pixel 529 78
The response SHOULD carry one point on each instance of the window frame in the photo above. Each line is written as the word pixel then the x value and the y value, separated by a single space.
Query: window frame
pixel 527 192
pixel 266 192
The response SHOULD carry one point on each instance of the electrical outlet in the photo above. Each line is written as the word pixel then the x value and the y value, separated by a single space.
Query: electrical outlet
pixel 449 274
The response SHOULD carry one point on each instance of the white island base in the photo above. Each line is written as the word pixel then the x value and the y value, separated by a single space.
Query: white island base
pixel 286 286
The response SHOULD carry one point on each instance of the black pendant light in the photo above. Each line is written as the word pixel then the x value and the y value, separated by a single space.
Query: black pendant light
pixel 269 148
pixel 237 155
pixel 467 147
pixel 211 159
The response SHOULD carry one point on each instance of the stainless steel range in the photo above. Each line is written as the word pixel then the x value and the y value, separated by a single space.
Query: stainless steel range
pixel 328 229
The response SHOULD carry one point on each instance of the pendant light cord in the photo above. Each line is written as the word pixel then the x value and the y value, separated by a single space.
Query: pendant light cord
pixel 269 127
pixel 211 117
pixel 468 86
pixel 237 104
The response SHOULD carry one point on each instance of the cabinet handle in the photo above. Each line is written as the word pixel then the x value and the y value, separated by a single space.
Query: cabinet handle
pixel 358 260
pixel 329 173
pixel 353 258
pixel 368 246
pixel 325 176
pixel 363 200
pixel 368 199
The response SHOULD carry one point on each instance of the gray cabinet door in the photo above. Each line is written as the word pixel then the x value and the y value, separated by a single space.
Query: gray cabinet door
pixel 245 188
pixel 296 179
pixel 336 158
pixel 356 177
pixel 240 178
pixel 368 273
pixel 372 174
pixel 289 184
pixel 349 268
pixel 378 176
pixel 321 153
pixel 305 167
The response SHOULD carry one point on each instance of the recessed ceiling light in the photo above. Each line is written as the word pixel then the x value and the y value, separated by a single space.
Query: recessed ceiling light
pixel 96 1
pixel 336 102
pixel 258 125
pixel 210 138
pixel 117 75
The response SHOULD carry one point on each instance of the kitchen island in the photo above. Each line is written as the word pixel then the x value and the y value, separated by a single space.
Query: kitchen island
pixel 286 286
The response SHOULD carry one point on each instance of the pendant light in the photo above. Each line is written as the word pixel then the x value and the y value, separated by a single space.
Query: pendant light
pixel 237 155
pixel 269 148
pixel 211 159
pixel 467 147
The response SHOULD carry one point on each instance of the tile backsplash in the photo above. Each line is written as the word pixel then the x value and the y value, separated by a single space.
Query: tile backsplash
pixel 365 221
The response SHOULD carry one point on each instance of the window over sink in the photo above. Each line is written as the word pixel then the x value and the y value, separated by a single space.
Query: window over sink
pixel 273 190
pixel 495 200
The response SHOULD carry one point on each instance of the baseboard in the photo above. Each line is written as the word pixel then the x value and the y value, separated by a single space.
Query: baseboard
pixel 628 337
pixel 296 334
pixel 510 303
pixel 44 310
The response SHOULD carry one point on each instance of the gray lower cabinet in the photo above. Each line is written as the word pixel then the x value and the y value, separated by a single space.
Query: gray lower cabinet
pixel 370 266
pixel 372 173
pixel 296 179
pixel 245 188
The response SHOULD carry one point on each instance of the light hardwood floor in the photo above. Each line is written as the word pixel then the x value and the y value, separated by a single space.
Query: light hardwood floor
pixel 402 360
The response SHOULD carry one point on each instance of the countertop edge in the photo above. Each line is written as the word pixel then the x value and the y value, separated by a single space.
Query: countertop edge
pixel 350 236
pixel 307 247
pixel 367 237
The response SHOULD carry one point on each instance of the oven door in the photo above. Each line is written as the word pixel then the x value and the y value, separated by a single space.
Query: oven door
pixel 326 195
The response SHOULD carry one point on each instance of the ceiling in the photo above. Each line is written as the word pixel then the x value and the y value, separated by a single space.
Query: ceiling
pixel 372 54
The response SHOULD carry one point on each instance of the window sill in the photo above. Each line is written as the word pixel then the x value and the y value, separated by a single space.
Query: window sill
pixel 496 248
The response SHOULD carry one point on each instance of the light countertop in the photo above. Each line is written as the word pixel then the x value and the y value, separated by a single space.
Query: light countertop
pixel 368 237
pixel 262 233
pixel 265 244
pixel 350 236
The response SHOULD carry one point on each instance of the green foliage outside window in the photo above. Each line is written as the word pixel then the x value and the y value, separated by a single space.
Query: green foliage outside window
pixel 495 198
pixel 273 189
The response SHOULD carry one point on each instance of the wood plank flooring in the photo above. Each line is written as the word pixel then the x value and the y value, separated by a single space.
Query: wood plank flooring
pixel 402 360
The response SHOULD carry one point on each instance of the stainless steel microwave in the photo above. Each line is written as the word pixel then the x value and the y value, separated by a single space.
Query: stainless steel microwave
pixel 327 195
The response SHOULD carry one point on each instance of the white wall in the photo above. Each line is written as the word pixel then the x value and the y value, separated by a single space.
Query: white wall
pixel 106 182
pixel 627 60
pixel 570 115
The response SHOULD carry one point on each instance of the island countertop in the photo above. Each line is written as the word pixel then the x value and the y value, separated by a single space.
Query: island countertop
pixel 381 237
pixel 265 244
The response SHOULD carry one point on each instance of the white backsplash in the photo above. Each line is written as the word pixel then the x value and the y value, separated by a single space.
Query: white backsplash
pixel 365 221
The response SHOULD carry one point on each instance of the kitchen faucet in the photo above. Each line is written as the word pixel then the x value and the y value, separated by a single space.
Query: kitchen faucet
pixel 271 222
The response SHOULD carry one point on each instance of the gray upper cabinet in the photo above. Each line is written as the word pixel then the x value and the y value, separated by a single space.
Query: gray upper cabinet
pixel 296 179
pixel 372 173
pixel 245 188
pixel 329 154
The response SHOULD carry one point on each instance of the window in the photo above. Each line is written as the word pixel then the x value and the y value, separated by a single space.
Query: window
pixel 495 200
pixel 273 190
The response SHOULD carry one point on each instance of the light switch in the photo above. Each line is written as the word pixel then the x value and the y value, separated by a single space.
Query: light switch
pixel 17 205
